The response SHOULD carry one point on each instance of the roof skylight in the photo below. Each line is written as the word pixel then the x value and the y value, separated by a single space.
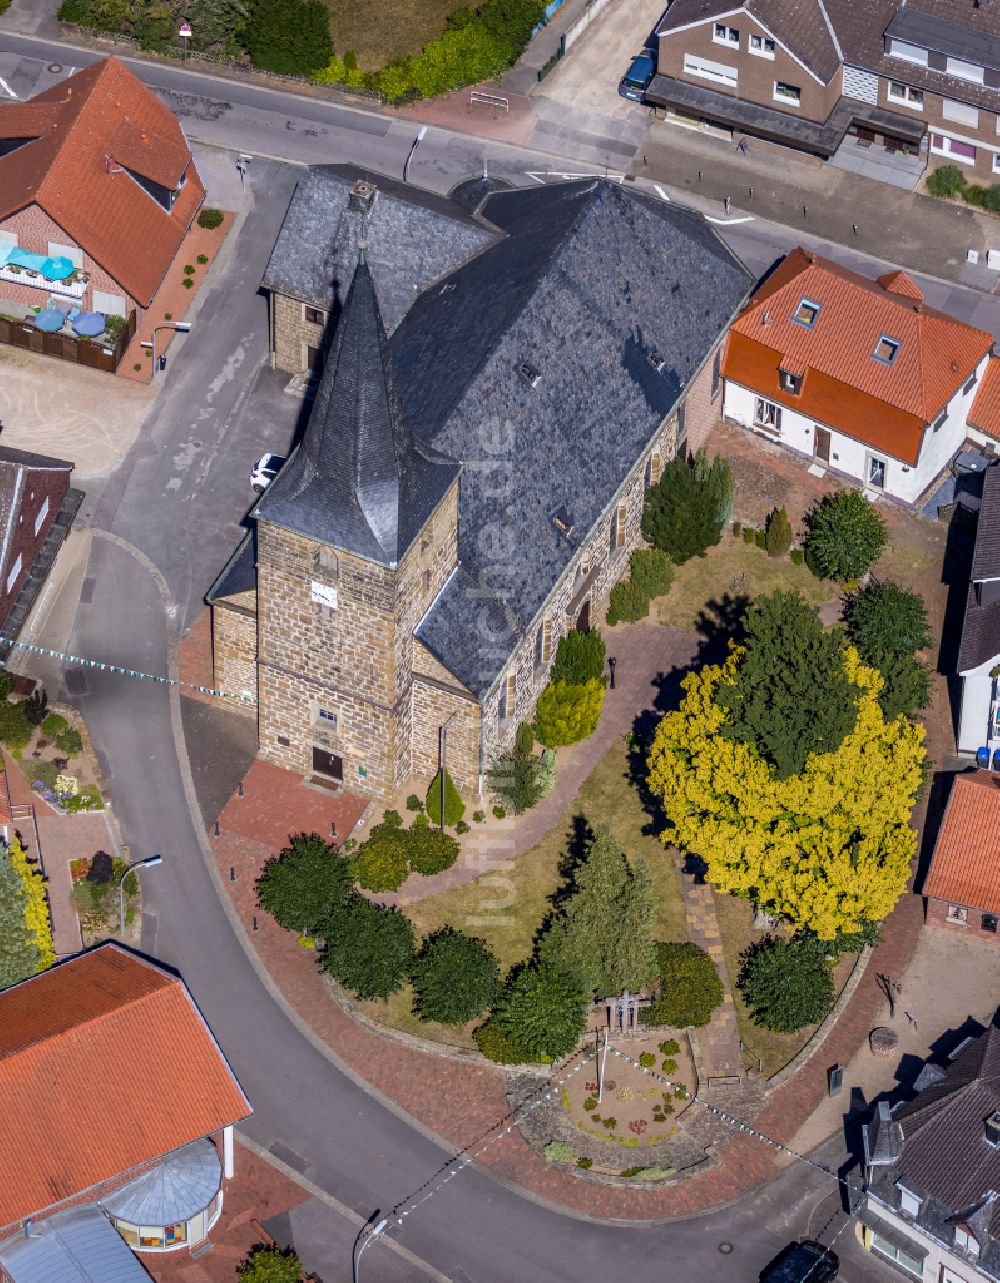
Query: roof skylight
pixel 886 349
pixel 806 313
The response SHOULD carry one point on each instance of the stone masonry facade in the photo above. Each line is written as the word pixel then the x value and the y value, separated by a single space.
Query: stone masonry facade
pixel 292 335
pixel 235 647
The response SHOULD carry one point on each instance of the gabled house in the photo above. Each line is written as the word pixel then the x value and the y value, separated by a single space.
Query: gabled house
pixel 979 653
pixel 932 1200
pixel 37 507
pixel 97 192
pixel 859 375
pixel 962 887
pixel 117 1110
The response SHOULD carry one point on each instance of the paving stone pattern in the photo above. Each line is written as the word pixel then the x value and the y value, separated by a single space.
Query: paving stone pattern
pixel 719 1041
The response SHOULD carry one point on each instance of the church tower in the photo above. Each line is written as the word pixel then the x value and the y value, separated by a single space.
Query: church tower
pixel 355 537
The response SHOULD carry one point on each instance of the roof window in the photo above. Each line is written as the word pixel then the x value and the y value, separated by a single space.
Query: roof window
pixel 530 375
pixel 806 313
pixel 791 382
pixel 993 1128
pixel 886 349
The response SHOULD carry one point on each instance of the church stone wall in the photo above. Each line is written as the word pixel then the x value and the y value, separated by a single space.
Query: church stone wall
pixel 234 647
pixel 292 335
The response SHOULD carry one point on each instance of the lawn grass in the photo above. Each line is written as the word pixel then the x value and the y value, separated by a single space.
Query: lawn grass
pixel 734 569
pixel 506 906
pixel 380 30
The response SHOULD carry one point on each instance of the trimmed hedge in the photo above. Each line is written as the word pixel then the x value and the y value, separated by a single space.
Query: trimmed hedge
pixel 690 987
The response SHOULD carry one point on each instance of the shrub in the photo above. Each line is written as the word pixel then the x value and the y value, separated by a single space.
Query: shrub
pixel 749 535
pixel 382 862
pixel 669 1065
pixel 290 37
pixel 462 827
pixel 652 570
pixel 70 741
pixel 167 316
pixel 201 260
pixel 36 705
pixel 590 1104
pixel 137 366
pixel 687 509
pixel 846 536
pixel 737 528
pixel 210 218
pixel 787 983
pixel 15 729
pixel 974 195
pixel 478 817
pixel 760 538
pixel 303 883
pixel 420 821
pixel 369 949
pixel 54 725
pixel 454 807
pixel 579 658
pixel 609 1123
pixel 779 534
pixel 188 270
pixel 798 556
pixel 429 850
pixel 647 1060
pixel 656 1172
pixel 455 977
pixel 671 1047
pixel 884 619
pixel 566 714
pixel 946 181
pixel 516 777
pixel 392 818
pixel 265 1264
pixel 540 1014
pixel 187 282
pixel 558 1151
pixel 100 869
pixel 690 987
pixel 413 803
pixel 585 1163
pixel 547 772
pixel 499 812
pixel 627 603
pixel 496 1044
pixel 524 740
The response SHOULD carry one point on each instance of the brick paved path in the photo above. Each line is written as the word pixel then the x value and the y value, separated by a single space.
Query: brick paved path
pixel 719 1041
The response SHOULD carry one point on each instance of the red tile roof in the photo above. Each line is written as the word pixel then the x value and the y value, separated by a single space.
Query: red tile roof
pixel 965 869
pixel 105 1064
pixel 885 406
pixel 85 131
pixel 985 412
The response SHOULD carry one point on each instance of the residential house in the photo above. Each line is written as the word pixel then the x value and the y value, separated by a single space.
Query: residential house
pixel 984 417
pixel 117 1110
pixel 979 654
pixel 470 488
pixel 962 887
pixel 857 374
pixel 933 1171
pixel 920 76
pixel 95 171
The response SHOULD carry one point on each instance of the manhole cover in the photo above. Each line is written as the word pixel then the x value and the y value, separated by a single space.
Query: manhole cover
pixel 55 66
pixel 725 1248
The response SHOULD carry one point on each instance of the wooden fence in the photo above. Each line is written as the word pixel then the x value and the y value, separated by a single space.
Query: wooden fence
pixel 98 356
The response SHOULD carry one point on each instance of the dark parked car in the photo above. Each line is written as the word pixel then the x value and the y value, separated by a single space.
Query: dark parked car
pixel 636 80
pixel 805 1262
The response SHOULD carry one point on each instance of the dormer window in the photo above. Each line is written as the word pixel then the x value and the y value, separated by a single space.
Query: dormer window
pixel 530 375
pixel 790 382
pixel 966 1241
pixel 886 349
pixel 806 313
pixel 909 1203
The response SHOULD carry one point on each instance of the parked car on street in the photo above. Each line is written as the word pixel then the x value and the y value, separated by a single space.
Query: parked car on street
pixel 805 1262
pixel 636 80
pixel 265 470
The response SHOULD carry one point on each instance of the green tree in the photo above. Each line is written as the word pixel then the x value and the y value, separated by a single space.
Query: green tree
pixel 688 507
pixel 790 695
pixel 884 619
pixel 566 714
pixel 455 977
pixel 303 883
pixel 540 1014
pixel 845 536
pixel 579 658
pixel 907 687
pixel 291 37
pixel 778 539
pixel 690 988
pixel 265 1264
pixel 787 983
pixel 19 957
pixel 454 807
pixel 518 780
pixel 603 930
pixel 369 949
pixel 217 22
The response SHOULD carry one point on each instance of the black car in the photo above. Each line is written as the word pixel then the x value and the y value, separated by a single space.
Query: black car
pixel 805 1262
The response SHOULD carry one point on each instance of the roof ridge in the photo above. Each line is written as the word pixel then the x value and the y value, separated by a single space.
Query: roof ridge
pixel 75 111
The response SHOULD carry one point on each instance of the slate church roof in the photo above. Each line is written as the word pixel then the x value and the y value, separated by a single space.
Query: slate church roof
pixel 981 627
pixel 358 481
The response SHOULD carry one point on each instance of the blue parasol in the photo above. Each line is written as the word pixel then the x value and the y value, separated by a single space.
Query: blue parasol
pixel 89 323
pixel 50 320
pixel 57 269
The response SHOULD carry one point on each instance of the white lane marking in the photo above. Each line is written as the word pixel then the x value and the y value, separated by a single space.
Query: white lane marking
pixel 661 193
pixel 540 175
pixel 6 88
pixel 729 222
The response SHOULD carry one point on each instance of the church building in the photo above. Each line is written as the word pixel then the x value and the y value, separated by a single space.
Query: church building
pixel 469 487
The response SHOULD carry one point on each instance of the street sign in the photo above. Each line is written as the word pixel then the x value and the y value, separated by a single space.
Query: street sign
pixel 185 30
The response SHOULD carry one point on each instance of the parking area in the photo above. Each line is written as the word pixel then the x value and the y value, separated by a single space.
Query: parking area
pixel 587 78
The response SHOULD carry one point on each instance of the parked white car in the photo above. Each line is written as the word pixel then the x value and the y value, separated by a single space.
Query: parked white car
pixel 265 470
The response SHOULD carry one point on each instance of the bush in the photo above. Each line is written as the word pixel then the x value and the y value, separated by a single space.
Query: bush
pixel 846 536
pixel 690 987
pixel 652 570
pixel 524 740
pixel 210 218
pixel 579 658
pixel 290 37
pixel 369 949
pixel 413 803
pixel 671 1047
pixel 454 807
pixel 478 817
pixel 540 1014
pixel 590 1104
pixel 462 827
pixel 6 685
pixel 585 1163
pixel 430 850
pixel 749 535
pixel 188 270
pixel 779 534
pixel 15 729
pixel 54 725
pixel 187 283
pixel 974 195
pixel 496 1044
pixel 70 741
pixel 798 556
pixel 304 883
pixel 201 260
pixel 787 983
pixel 100 869
pixel 688 508
pixel 566 714
pixel 760 538
pixel 455 977
pixel 946 181
pixel 657 1172
pixel 627 603
pixel 499 812
pixel 736 529
pixel 547 772
pixel 264 1264
pixel 522 780
pixel 382 862
pixel 884 619
pixel 558 1151
pixel 647 1060
pixel 669 1065
pixel 36 706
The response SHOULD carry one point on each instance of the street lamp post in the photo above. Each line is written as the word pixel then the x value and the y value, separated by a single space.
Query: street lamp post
pixel 181 327
pixel 150 862
pixel 421 133
pixel 369 1233
pixel 443 759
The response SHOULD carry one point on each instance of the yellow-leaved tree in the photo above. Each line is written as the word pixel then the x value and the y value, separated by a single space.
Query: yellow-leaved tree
pixel 36 905
pixel 826 849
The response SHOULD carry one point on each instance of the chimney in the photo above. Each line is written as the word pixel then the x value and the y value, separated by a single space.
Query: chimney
pixel 362 196
pixel 69 92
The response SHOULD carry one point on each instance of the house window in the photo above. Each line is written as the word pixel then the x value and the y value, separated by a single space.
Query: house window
pixel 313 315
pixel 909 1204
pixel 989 923
pixel 943 145
pixel 911 53
pixel 939 422
pixel 43 512
pixel 806 313
pixel 787 93
pixel 965 1240
pixel 958 915
pixel 621 518
pixel 655 467
pixel 543 641
pixel 325 717
pixel 72 252
pixel 723 35
pixel 767 415
pixel 875 469
pixel 762 46
pixel 508 704
pixel 109 304
pixel 969 383
pixel 960 112
pixel 15 570
pixel 326 560
pixel 965 70
pixel 906 95
pixel 681 425
pixel 996 156
pixel 716 373
pixel 709 70
pixel 886 349
pixel 911 1264
pixel 791 382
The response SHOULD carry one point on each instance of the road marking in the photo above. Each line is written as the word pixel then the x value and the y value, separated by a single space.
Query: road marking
pixel 540 175
pixel 728 222
pixel 7 89
pixel 661 193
